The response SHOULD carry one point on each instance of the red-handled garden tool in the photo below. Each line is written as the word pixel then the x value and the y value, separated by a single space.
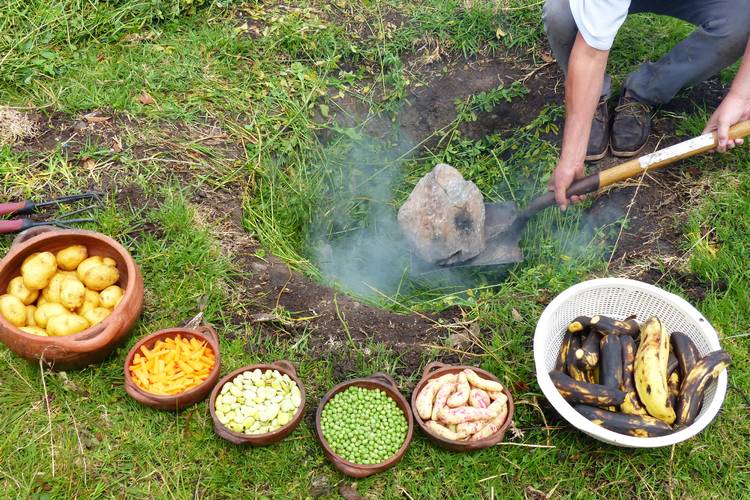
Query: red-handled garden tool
pixel 28 207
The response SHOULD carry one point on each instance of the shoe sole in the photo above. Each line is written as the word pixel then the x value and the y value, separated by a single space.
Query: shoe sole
pixel 597 157
pixel 626 154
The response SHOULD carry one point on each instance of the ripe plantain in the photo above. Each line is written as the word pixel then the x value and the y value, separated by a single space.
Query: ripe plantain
pixel 651 370
pixel 685 352
pixel 610 369
pixel 672 363
pixel 562 358
pixel 634 425
pixel 572 362
pixel 580 325
pixel 700 377
pixel 632 405
pixel 587 356
pixel 608 326
pixel 574 391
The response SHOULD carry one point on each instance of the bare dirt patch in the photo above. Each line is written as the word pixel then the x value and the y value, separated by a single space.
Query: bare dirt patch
pixel 432 105
pixel 656 205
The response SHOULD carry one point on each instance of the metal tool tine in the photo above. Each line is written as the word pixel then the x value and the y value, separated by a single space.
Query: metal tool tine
pixel 80 210
pixel 66 223
pixel 71 198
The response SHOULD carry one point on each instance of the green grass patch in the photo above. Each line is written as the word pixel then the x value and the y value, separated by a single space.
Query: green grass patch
pixel 306 199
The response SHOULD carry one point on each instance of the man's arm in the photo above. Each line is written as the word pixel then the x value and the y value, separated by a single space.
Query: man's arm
pixel 734 108
pixel 583 88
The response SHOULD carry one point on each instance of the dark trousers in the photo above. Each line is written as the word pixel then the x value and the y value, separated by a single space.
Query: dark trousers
pixel 723 28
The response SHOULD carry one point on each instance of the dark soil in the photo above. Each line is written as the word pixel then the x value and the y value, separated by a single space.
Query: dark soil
pixel 71 134
pixel 656 205
pixel 430 108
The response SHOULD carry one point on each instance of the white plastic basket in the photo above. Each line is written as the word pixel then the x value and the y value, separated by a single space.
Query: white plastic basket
pixel 620 298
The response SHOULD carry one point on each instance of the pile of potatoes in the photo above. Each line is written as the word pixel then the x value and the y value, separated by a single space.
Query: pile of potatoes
pixel 62 294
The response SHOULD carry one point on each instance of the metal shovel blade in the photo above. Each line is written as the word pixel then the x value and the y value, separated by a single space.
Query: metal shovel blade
pixel 502 240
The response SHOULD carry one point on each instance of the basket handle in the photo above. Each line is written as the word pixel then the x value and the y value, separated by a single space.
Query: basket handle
pixel 286 365
pixel 432 366
pixel 384 378
pixel 226 434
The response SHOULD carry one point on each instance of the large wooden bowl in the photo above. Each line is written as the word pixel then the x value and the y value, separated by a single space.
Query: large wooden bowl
pixel 93 344
pixel 282 366
pixel 436 369
pixel 183 399
pixel 381 381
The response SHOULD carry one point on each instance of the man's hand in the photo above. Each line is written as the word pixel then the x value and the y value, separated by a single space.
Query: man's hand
pixel 733 109
pixel 563 176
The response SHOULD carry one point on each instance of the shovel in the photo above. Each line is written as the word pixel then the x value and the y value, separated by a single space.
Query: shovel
pixel 504 223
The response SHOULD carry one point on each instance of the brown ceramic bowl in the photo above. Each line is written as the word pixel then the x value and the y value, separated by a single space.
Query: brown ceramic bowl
pixel 93 344
pixel 184 399
pixel 282 366
pixel 381 381
pixel 436 369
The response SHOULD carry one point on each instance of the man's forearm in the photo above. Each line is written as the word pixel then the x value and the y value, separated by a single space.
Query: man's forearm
pixel 741 83
pixel 583 87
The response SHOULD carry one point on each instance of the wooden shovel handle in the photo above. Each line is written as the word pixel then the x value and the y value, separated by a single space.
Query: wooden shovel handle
pixel 636 166
pixel 669 155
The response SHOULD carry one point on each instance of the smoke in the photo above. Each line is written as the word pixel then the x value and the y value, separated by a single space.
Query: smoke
pixel 597 229
pixel 354 239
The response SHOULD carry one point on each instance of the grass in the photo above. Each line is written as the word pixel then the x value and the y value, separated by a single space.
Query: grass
pixel 275 76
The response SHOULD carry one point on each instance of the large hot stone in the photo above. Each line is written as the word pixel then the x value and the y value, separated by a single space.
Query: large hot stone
pixel 444 217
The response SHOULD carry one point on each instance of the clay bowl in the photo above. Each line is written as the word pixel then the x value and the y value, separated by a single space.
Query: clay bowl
pixel 436 369
pixel 184 399
pixel 381 381
pixel 282 366
pixel 93 344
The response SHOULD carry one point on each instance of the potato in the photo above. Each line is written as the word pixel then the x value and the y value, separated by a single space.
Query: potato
pixel 66 324
pixel 18 289
pixel 85 309
pixel 41 301
pixel 480 383
pixel 93 297
pixel 30 311
pixel 110 296
pixel 69 258
pixel 108 261
pixel 34 330
pixel 72 292
pixel 96 315
pixel 425 399
pixel 47 311
pixel 51 292
pixel 38 270
pixel 13 310
pixel 87 264
pixel 100 277
pixel 90 301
